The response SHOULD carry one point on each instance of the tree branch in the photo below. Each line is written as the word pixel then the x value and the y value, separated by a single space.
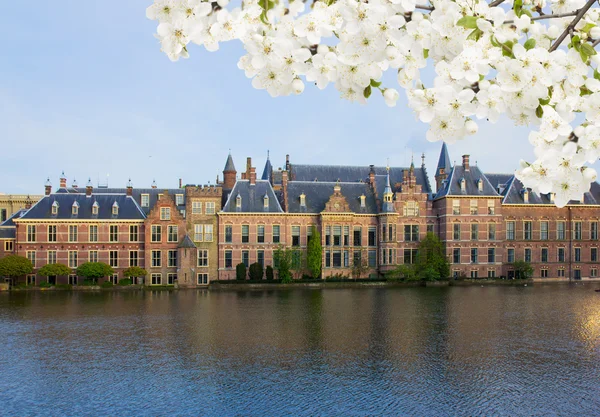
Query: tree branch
pixel 580 13
pixel 596 42
pixel 496 3
pixel 422 7
pixel 548 16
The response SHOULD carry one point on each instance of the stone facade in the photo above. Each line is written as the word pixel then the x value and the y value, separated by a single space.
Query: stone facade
pixel 11 203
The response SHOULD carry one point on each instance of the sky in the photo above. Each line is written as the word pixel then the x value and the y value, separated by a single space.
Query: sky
pixel 84 89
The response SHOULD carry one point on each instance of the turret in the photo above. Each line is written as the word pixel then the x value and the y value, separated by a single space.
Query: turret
pixel 443 168
pixel 229 174
pixel 388 195
pixel 268 171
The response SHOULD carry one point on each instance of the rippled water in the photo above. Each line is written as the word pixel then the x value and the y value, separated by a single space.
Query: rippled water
pixel 407 351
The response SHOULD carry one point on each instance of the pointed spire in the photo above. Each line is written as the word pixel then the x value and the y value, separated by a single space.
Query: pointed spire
pixel 229 164
pixel 388 195
pixel 444 161
pixel 266 175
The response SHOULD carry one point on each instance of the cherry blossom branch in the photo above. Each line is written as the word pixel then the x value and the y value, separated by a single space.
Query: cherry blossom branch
pixel 422 7
pixel 496 3
pixel 580 13
pixel 548 16
pixel 595 43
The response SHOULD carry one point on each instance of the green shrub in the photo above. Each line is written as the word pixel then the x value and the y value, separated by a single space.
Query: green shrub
pixel 256 271
pixel 269 272
pixel 106 284
pixel 64 286
pixel 88 283
pixel 240 272
pixel 125 281
pixel 45 284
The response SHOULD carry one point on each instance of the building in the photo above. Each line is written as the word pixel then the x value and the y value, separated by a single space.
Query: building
pixel 370 216
pixel 11 203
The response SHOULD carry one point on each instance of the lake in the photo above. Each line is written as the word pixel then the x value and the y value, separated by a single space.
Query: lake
pixel 361 351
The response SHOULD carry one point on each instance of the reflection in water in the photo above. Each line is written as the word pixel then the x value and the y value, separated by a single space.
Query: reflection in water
pixel 407 351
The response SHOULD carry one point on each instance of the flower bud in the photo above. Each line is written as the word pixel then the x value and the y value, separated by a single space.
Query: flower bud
pixel 391 96
pixel 298 86
pixel 553 32
pixel 595 32
pixel 471 127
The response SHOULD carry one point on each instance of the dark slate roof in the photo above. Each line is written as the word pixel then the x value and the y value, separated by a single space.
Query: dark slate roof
pixel 452 184
pixel 266 175
pixel 10 221
pixel 153 194
pixel 7 232
pixel 444 161
pixel 252 198
pixel 229 164
pixel 318 194
pixel 514 194
pixel 186 242
pixel 354 174
pixel 128 208
pixel 498 179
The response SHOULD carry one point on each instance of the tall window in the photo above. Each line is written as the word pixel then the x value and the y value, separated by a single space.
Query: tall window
pixel 577 233
pixel 93 256
pixel 172 259
pixel 510 255
pixel 145 200
pixel 260 257
pixel 456 255
pixel 165 213
pixel 474 231
pixel 561 254
pixel 456 231
pixel 491 255
pixel 228 233
pixel 52 233
pixel 577 254
pixel 172 234
pixel 544 254
pixel 410 256
pixel 411 233
pixel 491 207
pixel 156 235
pixel 372 258
pixel 199 233
pixel 473 207
pixel 337 258
pixel 196 207
pixel 474 255
pixel 210 207
pixel 411 208
pixel 260 233
pixel 202 257
pixel 228 259
pixel 179 199
pixel 527 230
pixel 72 259
pixel 31 235
pixel 245 233
pixel 114 233
pixel 560 230
pixel 276 231
pixel 372 238
pixel 527 254
pixel 31 257
pixel 544 230
pixel 492 231
pixel 594 230
pixel 156 258
pixel 133 258
pixel 51 256
pixel 337 235
pixel 72 233
pixel 93 233
pixel 456 207
pixel 357 236
pixel 510 230
pixel 208 232
pixel 9 246
pixel 113 257
pixel 246 258
pixel 133 233
pixel 347 234
pixel 594 255
pixel 295 235
pixel 171 278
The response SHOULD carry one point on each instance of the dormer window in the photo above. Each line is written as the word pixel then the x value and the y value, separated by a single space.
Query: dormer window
pixel 363 200
pixel 75 208
pixel 525 195
pixel 480 185
pixel 266 201
pixel 551 197
pixel 55 208
pixel 238 202
pixel 302 200
pixel 115 209
pixel 463 185
pixel 145 200
pixel 95 208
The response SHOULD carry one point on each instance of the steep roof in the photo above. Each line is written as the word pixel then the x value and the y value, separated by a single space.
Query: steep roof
pixel 229 164
pixel 452 186
pixel 252 197
pixel 186 242
pixel 266 175
pixel 515 195
pixel 318 194
pixel 153 194
pixel 444 161
pixel 354 174
pixel 128 208
pixel 8 232
pixel 10 221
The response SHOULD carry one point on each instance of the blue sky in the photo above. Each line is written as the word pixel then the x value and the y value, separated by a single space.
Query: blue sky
pixel 84 88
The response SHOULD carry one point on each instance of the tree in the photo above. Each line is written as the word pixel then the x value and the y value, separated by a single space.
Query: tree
pixel 256 271
pixel 14 266
pixel 406 272
pixel 523 270
pixel 314 253
pixel 490 57
pixel 283 262
pixel 360 266
pixel 240 271
pixel 432 263
pixel 134 272
pixel 54 270
pixel 94 270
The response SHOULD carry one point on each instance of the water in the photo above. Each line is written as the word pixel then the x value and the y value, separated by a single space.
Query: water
pixel 406 351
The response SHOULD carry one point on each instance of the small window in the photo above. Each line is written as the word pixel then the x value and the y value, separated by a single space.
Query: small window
pixel 210 207
pixel 171 278
pixel 54 208
pixel 202 279
pixel 95 208
pixel 266 202
pixel 179 199
pixel 238 202
pixel 145 200
pixel 165 213
pixel 456 207
pixel 196 207
pixel 203 257
pixel 156 279
pixel 75 209
pixel 115 209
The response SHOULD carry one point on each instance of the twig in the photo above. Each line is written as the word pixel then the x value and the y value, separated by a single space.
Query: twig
pixel 580 13
pixel 422 7
pixel 496 3
pixel 596 42
pixel 549 16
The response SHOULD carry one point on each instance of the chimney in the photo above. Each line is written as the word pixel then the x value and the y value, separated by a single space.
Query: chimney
pixel 180 184
pixel 252 177
pixel 63 180
pixel 48 187
pixel 130 188
pixel 284 186
pixel 465 162
pixel 372 176
pixel 287 162
pixel 89 188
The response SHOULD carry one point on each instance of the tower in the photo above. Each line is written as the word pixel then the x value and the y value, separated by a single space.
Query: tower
pixel 229 174
pixel 388 195
pixel 268 171
pixel 443 168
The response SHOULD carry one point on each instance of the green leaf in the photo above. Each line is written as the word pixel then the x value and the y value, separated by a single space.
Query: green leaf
pixel 588 49
pixel 494 42
pixel 475 35
pixel 583 56
pixel 425 53
pixel 588 27
pixel 596 74
pixel 469 22
pixel 539 112
pixel 530 44
pixel 367 92
pixel 544 101
pixel 375 83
